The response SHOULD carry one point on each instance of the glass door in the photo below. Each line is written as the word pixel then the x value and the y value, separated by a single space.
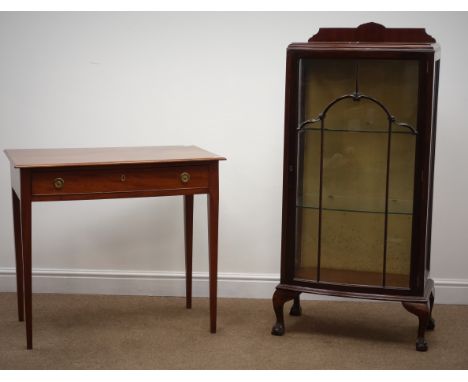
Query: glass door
pixel 356 163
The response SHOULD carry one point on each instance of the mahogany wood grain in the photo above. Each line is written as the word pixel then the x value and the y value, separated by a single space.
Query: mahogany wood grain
pixel 35 158
pixel 213 212
pixel 118 180
pixel 213 216
pixel 188 235
pixel 366 42
pixel 85 174
pixel 330 289
pixel 373 32
pixel 18 254
pixel 26 208
pixel 423 310
pixel 296 309
pixel 280 297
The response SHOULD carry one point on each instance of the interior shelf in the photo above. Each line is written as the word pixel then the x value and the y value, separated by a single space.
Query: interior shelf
pixel 394 131
pixel 354 210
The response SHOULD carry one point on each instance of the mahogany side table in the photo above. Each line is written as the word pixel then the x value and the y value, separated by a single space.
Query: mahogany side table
pixel 101 173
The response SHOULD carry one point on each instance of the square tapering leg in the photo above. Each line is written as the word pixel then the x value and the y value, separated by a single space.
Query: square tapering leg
pixel 25 203
pixel 213 208
pixel 188 232
pixel 18 255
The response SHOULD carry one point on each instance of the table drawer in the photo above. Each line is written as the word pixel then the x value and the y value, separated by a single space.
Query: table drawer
pixel 65 182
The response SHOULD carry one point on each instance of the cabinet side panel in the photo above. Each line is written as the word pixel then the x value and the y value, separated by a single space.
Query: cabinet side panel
pixel 434 135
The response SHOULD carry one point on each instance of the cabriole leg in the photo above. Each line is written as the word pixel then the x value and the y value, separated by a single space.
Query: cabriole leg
pixel 280 297
pixel 431 322
pixel 422 311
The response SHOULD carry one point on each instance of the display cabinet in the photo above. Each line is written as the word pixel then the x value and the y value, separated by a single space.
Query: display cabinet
pixel 360 123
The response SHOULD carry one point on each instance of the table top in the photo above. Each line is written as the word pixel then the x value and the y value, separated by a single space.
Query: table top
pixel 32 158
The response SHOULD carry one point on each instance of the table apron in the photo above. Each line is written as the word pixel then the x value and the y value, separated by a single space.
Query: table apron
pixel 71 184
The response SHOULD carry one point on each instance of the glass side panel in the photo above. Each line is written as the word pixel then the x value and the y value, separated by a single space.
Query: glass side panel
pixel 400 208
pixel 307 242
pixel 401 176
pixel 343 232
pixel 398 250
pixel 308 186
pixel 308 195
pixel 433 140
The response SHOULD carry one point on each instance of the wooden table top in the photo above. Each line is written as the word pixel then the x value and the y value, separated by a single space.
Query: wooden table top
pixel 32 158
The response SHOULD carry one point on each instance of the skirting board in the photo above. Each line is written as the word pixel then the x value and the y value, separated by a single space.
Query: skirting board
pixel 159 283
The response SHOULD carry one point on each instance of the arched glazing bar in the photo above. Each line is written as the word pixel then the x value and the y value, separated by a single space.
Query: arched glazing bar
pixel 304 126
pixel 355 97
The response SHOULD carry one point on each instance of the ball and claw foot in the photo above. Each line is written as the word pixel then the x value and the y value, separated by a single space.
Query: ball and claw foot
pixel 430 324
pixel 278 329
pixel 421 344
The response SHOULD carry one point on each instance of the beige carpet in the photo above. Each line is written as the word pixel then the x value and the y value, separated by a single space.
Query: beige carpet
pixel 130 332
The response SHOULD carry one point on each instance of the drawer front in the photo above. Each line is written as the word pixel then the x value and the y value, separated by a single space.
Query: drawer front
pixel 68 181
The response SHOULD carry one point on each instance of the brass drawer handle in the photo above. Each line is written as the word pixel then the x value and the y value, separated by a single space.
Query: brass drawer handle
pixel 58 183
pixel 185 177
pixel 123 178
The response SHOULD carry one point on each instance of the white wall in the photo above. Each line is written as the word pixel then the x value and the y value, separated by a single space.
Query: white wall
pixel 211 79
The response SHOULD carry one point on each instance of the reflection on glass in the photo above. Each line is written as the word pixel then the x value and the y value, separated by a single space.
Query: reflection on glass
pixel 355 247
pixel 309 184
pixel 354 165
pixel 398 250
pixel 401 176
pixel 395 84
pixel 306 255
pixel 352 247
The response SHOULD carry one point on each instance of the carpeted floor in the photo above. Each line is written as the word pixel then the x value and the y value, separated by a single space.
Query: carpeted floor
pixel 134 332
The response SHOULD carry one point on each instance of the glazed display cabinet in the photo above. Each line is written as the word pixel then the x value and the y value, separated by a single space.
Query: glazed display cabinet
pixel 360 125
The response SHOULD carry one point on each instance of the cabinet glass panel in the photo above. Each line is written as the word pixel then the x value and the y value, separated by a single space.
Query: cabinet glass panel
pixel 306 259
pixel 356 162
